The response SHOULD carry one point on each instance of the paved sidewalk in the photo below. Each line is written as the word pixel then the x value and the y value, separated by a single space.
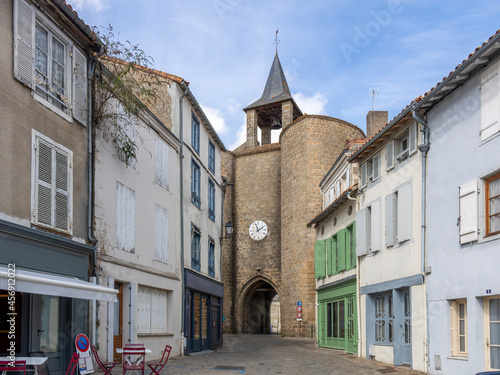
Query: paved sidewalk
pixel 272 354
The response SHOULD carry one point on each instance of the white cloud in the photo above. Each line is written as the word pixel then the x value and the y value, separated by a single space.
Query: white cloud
pixel 215 117
pixel 95 5
pixel 240 137
pixel 314 105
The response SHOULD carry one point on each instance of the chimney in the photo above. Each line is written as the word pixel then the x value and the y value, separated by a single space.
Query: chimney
pixel 375 120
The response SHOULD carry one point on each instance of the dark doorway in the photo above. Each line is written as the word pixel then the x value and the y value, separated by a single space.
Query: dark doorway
pixel 257 308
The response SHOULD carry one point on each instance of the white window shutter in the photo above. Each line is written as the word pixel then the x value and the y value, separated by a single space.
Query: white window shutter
pixel 24 23
pixel 62 201
pixel 80 102
pixel 389 220
pixel 364 174
pixel 490 97
pixel 44 202
pixel 158 311
pixel 376 226
pixel 348 178
pixel 144 310
pixel 161 233
pixel 468 212
pixel 404 213
pixel 361 232
pixel 389 156
pixel 412 139
pixel 161 163
pixel 125 217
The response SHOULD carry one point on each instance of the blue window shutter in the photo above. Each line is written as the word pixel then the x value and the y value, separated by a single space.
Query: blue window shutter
pixel 341 250
pixel 361 232
pixel 404 213
pixel 319 259
pixel 389 220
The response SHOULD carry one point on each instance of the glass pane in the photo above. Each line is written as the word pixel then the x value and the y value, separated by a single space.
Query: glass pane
pixel 204 317
pixel 335 319
pixel 41 50
pixel 380 307
pixel 461 327
pixel 494 206
pixel 461 311
pixel 495 333
pixel 58 78
pixel 391 331
pixel 495 357
pixel 341 319
pixel 329 320
pixel 58 51
pixel 462 344
pixel 495 223
pixel 380 331
pixel 494 187
pixel 196 316
pixel 49 327
pixel 116 323
pixel 495 310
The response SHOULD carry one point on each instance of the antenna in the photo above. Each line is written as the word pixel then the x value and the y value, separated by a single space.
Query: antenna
pixel 276 41
pixel 374 92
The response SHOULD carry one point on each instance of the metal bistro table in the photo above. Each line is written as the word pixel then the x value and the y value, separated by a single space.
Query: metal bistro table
pixel 138 360
pixel 30 361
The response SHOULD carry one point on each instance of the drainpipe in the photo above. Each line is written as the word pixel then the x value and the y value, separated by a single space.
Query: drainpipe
pixel 358 290
pixel 181 173
pixel 424 148
pixel 90 214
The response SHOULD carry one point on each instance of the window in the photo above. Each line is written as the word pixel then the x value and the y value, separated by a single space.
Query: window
pixel 398 215
pixel 161 163
pixel 125 217
pixel 405 144
pixel 125 140
pixel 489 102
pixel 195 133
pixel 375 175
pixel 211 200
pixel 152 304
pixel 459 328
pixel 211 156
pixel 161 234
pixel 341 251
pixel 195 248
pixel 368 229
pixel 370 170
pixel 195 184
pixel 52 184
pixel 211 257
pixel 492 205
pixel 384 318
pixel 47 62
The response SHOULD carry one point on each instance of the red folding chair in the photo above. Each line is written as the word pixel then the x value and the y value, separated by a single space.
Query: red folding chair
pixel 73 364
pixel 129 364
pixel 105 366
pixel 157 366
pixel 13 366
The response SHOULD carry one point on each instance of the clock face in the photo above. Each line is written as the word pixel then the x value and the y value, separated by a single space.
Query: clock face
pixel 258 230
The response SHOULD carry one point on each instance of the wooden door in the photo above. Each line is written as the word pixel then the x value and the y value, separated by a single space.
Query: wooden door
pixel 118 323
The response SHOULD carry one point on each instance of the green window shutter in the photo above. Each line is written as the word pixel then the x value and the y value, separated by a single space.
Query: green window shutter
pixel 348 249
pixel 334 255
pixel 341 249
pixel 353 249
pixel 320 259
pixel 330 261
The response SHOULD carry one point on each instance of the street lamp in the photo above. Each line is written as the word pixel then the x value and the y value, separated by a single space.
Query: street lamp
pixel 229 231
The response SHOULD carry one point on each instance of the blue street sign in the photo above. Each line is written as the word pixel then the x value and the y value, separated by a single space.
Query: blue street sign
pixel 299 303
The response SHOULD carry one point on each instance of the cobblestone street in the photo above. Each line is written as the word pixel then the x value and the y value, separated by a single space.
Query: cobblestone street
pixel 272 354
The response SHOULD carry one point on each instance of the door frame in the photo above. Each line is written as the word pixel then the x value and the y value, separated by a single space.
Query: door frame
pixel 117 357
pixel 487 352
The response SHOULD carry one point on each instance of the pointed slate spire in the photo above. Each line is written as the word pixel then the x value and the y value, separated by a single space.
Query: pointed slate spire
pixel 276 89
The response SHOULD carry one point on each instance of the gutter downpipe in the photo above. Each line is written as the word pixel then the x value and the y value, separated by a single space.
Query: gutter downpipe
pixel 90 228
pixel 181 173
pixel 358 289
pixel 424 148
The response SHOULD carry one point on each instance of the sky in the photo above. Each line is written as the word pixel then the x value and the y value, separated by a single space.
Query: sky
pixel 340 57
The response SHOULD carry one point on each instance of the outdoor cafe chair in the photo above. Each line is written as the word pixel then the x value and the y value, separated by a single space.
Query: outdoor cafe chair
pixel 127 363
pixel 13 366
pixel 156 366
pixel 73 364
pixel 105 366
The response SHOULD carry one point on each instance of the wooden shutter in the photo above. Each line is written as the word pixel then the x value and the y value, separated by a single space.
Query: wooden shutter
pixel 125 217
pixel 404 213
pixel 161 234
pixel 389 220
pixel 44 203
pixel 24 23
pixel 389 156
pixel 361 233
pixel 490 102
pixel 412 139
pixel 329 256
pixel 364 174
pixel 376 227
pixel 376 167
pixel 158 311
pixel 468 219
pixel 144 310
pixel 319 259
pixel 348 178
pixel 80 102
pixel 341 250
pixel 62 191
pixel 161 163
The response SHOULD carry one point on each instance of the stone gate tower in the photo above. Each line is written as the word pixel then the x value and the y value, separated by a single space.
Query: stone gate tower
pixel 272 194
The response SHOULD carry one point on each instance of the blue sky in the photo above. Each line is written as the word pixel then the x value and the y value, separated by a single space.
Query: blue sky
pixel 332 52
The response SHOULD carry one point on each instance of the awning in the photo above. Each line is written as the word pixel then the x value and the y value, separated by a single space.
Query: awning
pixel 52 285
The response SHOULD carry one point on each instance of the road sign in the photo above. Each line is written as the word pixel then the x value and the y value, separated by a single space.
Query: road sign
pixel 299 315
pixel 85 364
pixel 299 308
pixel 299 303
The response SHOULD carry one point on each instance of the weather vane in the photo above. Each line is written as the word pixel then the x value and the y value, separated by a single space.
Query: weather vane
pixel 276 41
